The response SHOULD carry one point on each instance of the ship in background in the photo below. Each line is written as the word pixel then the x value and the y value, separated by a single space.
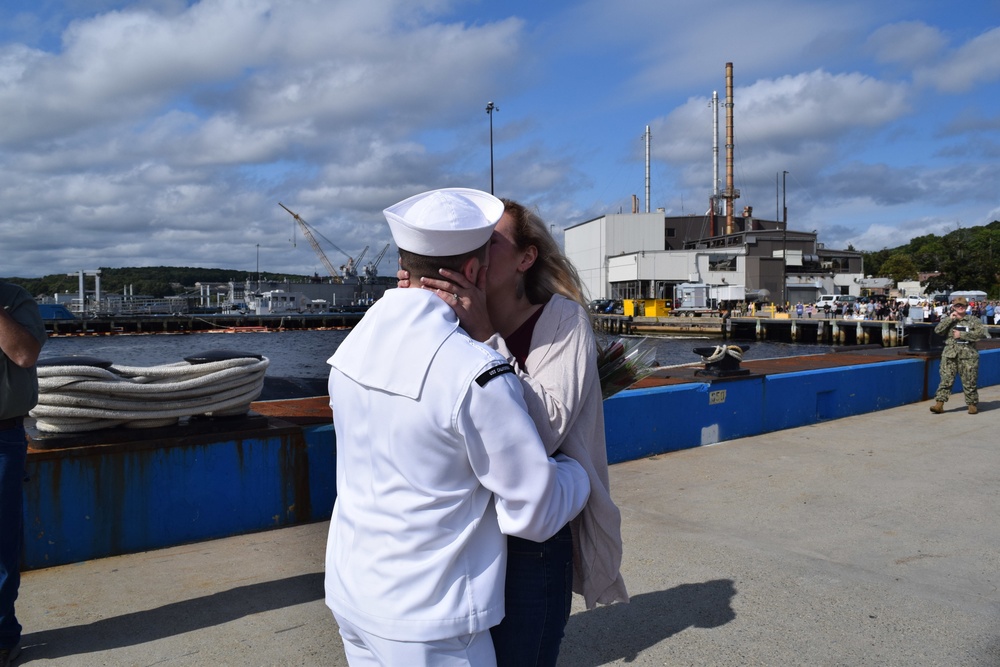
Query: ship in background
pixel 252 297
pixel 351 288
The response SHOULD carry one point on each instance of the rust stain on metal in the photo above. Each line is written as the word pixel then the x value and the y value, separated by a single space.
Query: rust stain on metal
pixel 295 477
pixel 315 410
pixel 759 367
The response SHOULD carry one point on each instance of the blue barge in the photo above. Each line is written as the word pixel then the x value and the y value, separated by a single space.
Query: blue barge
pixel 123 491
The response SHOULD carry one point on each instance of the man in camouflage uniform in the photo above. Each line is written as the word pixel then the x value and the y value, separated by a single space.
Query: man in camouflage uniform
pixel 961 331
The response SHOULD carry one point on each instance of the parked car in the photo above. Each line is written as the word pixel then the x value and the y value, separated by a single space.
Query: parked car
pixel 607 307
pixel 599 305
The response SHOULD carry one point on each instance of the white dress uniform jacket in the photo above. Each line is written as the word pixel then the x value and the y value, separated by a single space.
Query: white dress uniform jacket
pixel 437 458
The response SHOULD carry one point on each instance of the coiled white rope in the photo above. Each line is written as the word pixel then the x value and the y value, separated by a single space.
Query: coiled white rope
pixel 75 399
pixel 721 351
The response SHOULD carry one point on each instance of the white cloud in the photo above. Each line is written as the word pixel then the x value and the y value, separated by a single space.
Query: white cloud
pixel 684 42
pixel 327 62
pixel 907 43
pixel 878 235
pixel 182 123
pixel 974 63
pixel 795 117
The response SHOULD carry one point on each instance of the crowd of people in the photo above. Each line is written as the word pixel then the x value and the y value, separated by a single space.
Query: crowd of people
pixel 878 308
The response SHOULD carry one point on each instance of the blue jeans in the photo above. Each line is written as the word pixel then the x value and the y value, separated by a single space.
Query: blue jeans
pixel 13 454
pixel 538 593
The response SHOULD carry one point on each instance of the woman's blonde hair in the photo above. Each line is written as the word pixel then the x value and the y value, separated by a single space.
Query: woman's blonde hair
pixel 552 272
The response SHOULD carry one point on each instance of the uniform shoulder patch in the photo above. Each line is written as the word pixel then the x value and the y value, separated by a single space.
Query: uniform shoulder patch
pixel 495 371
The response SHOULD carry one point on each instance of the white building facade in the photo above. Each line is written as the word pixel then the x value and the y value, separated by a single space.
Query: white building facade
pixel 645 255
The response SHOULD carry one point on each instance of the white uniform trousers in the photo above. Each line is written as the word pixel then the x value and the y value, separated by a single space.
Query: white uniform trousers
pixel 364 649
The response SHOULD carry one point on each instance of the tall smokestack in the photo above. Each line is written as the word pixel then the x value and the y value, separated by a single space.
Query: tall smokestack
pixel 714 213
pixel 648 136
pixel 715 146
pixel 730 192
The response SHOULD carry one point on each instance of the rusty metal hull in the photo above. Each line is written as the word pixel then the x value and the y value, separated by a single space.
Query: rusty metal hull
pixel 124 491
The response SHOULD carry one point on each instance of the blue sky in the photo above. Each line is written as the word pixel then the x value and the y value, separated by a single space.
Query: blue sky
pixel 166 132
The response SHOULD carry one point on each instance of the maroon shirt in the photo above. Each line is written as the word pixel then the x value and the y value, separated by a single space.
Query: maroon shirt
pixel 519 342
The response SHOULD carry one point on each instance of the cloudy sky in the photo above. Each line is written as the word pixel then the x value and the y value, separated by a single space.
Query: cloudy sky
pixel 165 132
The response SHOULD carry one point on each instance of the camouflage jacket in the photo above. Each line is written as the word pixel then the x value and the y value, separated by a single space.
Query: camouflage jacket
pixel 971 329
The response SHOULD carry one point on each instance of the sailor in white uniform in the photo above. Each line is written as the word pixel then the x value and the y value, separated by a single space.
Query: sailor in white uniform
pixel 437 459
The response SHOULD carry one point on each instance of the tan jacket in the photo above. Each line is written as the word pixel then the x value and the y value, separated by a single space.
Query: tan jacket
pixel 563 394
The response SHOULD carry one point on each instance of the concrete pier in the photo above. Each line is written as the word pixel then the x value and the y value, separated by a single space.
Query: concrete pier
pixel 869 540
pixel 817 329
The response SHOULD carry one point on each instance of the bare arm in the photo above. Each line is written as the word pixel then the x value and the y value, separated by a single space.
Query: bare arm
pixel 16 342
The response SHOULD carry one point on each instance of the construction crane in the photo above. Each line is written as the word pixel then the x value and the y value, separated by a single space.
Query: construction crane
pixel 371 269
pixel 350 270
pixel 308 232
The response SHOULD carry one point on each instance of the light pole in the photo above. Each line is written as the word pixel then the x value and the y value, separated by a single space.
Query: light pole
pixel 490 108
pixel 777 193
pixel 784 208
pixel 784 235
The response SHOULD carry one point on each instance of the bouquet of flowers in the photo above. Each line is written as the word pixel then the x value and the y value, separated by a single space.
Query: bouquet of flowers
pixel 622 362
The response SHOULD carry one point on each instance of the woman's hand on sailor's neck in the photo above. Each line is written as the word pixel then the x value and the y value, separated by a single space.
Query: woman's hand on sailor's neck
pixel 468 300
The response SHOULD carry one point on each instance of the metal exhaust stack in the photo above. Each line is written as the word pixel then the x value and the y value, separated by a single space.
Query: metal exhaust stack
pixel 730 193
pixel 648 137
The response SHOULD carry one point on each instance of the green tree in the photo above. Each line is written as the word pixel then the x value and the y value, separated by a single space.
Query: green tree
pixel 873 261
pixel 899 266
pixel 929 252
pixel 938 283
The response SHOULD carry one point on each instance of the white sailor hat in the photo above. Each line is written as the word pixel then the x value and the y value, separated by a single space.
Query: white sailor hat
pixel 445 222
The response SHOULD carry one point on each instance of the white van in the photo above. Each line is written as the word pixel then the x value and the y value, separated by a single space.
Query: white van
pixel 833 300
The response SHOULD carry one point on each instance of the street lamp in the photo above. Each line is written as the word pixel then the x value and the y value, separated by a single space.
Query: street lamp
pixel 784 208
pixel 490 108
pixel 784 247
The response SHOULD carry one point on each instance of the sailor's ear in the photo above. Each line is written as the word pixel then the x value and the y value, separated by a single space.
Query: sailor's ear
pixel 470 269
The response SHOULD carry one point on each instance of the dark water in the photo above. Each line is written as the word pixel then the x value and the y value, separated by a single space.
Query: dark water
pixel 303 354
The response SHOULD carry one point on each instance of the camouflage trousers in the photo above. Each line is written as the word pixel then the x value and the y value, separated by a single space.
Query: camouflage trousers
pixel 966 364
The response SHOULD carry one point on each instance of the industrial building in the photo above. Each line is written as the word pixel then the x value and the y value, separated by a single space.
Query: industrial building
pixel 647 255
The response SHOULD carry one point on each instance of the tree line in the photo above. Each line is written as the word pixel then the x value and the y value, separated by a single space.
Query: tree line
pixel 967 258
pixel 154 281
